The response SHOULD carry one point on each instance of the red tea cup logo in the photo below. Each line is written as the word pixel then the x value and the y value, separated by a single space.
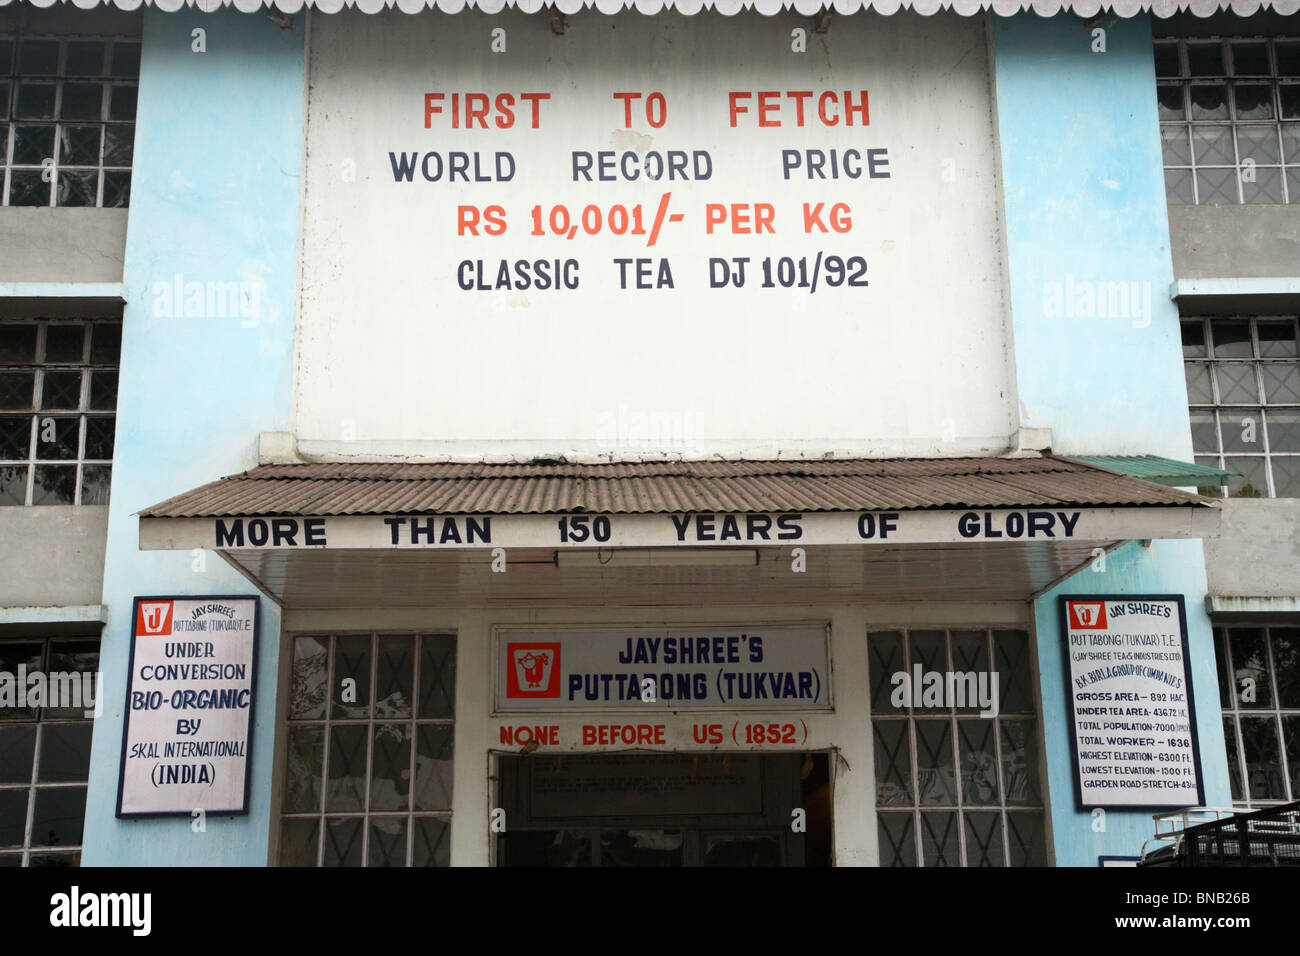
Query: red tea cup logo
pixel 154 618
pixel 1087 615
pixel 533 670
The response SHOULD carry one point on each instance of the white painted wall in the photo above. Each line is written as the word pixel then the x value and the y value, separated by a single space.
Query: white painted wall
pixel 846 730
pixel 394 359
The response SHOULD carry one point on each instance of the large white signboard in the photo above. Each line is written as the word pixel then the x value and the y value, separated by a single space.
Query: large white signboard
pixel 739 668
pixel 189 706
pixel 650 235
pixel 1130 689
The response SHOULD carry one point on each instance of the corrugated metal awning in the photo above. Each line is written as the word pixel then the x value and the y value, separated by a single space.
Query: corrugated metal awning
pixel 350 535
pixel 1164 471
pixel 666 488
pixel 1046 8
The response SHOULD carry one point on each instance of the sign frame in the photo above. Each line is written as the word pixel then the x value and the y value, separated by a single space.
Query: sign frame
pixel 1073 729
pixel 243 810
pixel 500 632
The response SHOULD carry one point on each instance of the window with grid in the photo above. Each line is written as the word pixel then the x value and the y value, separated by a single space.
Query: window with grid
pixel 1261 711
pixel 1230 120
pixel 67 120
pixel 58 398
pixel 44 756
pixel 369 756
pixel 1243 388
pixel 954 788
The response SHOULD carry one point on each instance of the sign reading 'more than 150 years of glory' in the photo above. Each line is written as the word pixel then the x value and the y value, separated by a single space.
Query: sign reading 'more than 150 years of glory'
pixel 737 668
pixel 189 706
pixel 1130 695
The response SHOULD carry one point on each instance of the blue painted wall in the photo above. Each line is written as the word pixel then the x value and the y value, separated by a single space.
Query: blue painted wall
pixel 1085 205
pixel 214 200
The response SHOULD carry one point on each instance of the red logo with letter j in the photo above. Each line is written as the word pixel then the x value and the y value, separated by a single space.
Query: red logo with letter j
pixel 1087 615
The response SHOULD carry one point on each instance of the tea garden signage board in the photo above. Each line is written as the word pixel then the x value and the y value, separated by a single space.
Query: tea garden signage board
pixel 738 668
pixel 188 729
pixel 1130 697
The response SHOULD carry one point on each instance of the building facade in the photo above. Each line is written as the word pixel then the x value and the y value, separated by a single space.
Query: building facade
pixel 618 415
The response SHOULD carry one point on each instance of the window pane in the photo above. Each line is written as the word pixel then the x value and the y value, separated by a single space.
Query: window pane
pixel 1284 430
pixel 979 760
pixel 15 436
pixel 117 190
pixel 78 145
pixel 105 343
pixel 99 437
pixel 1258 143
pixel 433 766
pixel 38 56
pixel 1028 841
pixel 302 781
pixel 310 675
pixel 387 842
pixel 1205 59
pixel 984 839
pixel 347 768
pixel 1236 383
pixel 77 187
pixel 1194 340
pixel 1281 383
pixel 126 59
pixel 17 343
pixel 1250 59
pixel 1234 759
pixel 1169 97
pixel 85 58
pixel 1209 102
pixel 934 765
pixel 61 391
pixel 65 343
pixel 299 842
pixel 95 483
pixel 1286 476
pixel 1291 733
pixel 1217 187
pixel 35 101
pixel 82 101
pixel 59 816
pixel 437 675
pixel 1213 146
pixel 897 842
pixel 939 839
pixel 1231 339
pixel 1286 658
pixel 970 663
pixel 1011 650
pixel 1242 430
pixel 1261 185
pixel 395 676
pixel 351 697
pixel 16 390
pixel 1020 762
pixel 1254 101
pixel 1175 146
pixel 13 817
pixel 65 752
pixel 343 842
pixel 1167 60
pixel 13 485
pixel 884 660
pixel 119 142
pixel 1250 481
pixel 1199 389
pixel 103 389
pixel 28 188
pixel 432 842
pixel 1263 758
pixel 929 649
pixel 893 760
pixel 1221 669
pixel 57 437
pixel 390 772
pixel 17 748
pixel 122 103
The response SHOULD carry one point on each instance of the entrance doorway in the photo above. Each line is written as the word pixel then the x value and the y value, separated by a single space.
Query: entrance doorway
pixel 665 810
